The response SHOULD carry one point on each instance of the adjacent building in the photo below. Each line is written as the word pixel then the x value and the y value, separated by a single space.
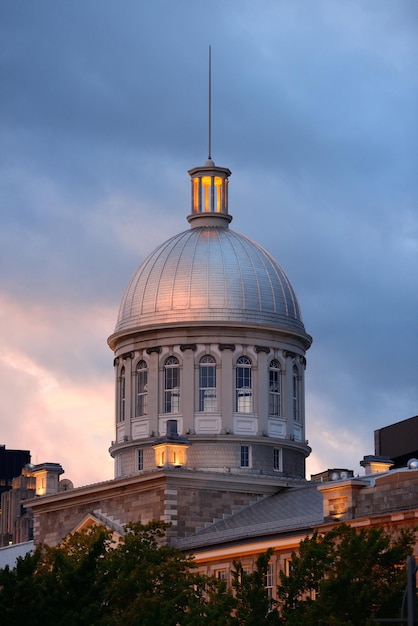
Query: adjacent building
pixel 16 522
pixel 11 464
pixel 398 442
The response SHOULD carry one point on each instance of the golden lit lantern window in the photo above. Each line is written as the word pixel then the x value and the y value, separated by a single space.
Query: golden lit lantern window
pixel 209 189
pixel 208 194
pixel 195 183
pixel 169 454
pixel 206 184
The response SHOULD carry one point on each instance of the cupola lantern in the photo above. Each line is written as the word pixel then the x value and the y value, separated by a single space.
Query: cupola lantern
pixel 209 194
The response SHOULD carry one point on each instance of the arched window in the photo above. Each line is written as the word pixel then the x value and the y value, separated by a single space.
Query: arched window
pixel 171 385
pixel 243 386
pixel 296 394
pixel 207 384
pixel 122 395
pixel 141 388
pixel 275 388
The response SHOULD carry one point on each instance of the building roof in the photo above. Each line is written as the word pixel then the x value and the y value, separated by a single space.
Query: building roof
pixel 286 511
pixel 209 274
pixel 10 554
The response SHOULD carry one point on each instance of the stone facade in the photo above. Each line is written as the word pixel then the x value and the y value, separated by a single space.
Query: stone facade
pixel 187 500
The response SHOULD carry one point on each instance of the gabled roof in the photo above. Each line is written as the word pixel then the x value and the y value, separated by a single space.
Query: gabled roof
pixel 98 518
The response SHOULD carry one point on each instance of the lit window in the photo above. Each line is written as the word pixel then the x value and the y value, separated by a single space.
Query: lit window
pixel 275 388
pixel 209 194
pixel 245 456
pixel 296 394
pixel 140 460
pixel 277 459
pixel 171 385
pixel 243 392
pixel 141 388
pixel 207 384
pixel 122 395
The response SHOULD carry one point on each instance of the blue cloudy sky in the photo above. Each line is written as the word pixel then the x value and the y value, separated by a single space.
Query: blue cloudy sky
pixel 103 109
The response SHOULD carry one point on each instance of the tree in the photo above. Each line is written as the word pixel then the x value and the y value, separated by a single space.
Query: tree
pixel 148 582
pixel 254 606
pixel 345 577
pixel 88 580
pixel 60 585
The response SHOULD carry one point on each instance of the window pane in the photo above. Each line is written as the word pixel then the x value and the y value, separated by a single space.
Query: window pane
pixel 207 384
pixel 243 392
pixel 140 459
pixel 122 396
pixel 141 389
pixel 269 583
pixel 296 398
pixel 171 385
pixel 274 388
pixel 245 456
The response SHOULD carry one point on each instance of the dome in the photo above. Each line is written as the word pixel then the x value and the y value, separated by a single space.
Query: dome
pixel 209 275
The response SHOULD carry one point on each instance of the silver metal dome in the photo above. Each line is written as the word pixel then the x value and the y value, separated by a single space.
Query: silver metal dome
pixel 209 274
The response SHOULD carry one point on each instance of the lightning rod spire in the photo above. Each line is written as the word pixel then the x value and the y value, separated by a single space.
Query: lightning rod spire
pixel 210 104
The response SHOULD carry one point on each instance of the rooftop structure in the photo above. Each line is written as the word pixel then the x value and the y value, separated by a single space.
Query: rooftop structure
pixel 210 337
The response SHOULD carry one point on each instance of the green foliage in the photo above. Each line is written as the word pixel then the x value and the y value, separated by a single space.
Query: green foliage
pixel 346 577
pixel 147 581
pixel 89 580
pixel 254 606
pixel 140 581
pixel 56 585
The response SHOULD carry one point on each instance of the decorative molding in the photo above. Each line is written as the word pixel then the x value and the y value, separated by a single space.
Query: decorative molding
pixel 227 346
pixel 265 349
pixel 288 354
pixel 156 349
pixel 115 361
pixel 127 355
pixel 188 346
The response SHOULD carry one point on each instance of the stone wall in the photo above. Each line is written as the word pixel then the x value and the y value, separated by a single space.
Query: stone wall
pixel 177 497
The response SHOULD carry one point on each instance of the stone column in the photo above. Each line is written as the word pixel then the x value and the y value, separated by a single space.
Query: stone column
pixel 262 387
pixel 227 387
pixel 187 384
pixel 287 398
pixel 153 387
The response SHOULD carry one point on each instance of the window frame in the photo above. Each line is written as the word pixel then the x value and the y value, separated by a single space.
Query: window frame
pixel 244 392
pixel 140 459
pixel 171 373
pixel 221 573
pixel 122 395
pixel 277 459
pixel 269 584
pixel 141 400
pixel 206 391
pixel 296 413
pixel 275 395
pixel 245 456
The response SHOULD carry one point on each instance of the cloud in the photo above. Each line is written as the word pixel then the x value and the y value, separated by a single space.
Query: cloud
pixel 104 109
pixel 57 398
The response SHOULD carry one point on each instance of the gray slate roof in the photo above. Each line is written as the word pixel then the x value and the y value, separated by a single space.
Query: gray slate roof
pixel 289 510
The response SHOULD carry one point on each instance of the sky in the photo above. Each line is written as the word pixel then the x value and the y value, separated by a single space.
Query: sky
pixel 103 109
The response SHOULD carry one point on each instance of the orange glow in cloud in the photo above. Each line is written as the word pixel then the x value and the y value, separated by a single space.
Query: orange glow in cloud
pixel 63 416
